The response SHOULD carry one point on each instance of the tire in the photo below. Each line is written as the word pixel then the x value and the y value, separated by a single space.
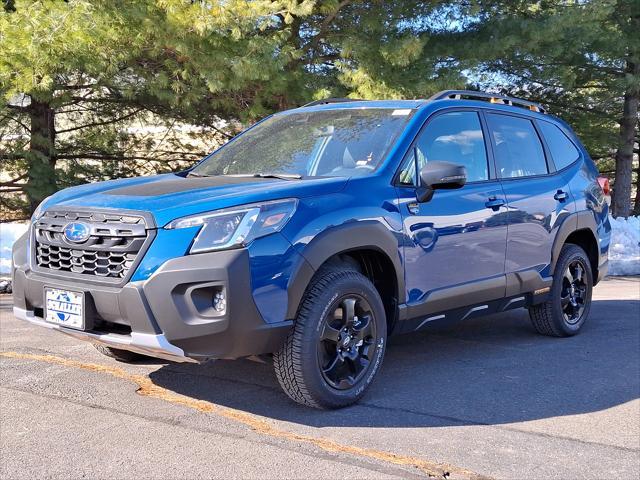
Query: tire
pixel 120 355
pixel 567 308
pixel 340 331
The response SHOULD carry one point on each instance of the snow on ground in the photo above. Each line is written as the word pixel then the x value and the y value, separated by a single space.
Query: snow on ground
pixel 624 252
pixel 9 233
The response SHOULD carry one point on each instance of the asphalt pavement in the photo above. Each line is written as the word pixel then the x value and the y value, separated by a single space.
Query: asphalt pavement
pixel 484 398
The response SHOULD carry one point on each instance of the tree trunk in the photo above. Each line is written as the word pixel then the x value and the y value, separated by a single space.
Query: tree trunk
pixel 621 198
pixel 41 159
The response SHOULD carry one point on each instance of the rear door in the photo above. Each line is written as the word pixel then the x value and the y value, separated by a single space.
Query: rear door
pixel 538 196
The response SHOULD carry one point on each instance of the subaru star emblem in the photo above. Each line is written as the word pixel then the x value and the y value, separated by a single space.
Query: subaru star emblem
pixel 77 232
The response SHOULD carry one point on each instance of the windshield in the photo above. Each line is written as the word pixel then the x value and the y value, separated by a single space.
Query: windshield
pixel 325 143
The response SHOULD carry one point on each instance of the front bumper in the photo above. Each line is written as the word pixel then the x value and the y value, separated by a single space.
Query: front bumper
pixel 169 315
pixel 144 343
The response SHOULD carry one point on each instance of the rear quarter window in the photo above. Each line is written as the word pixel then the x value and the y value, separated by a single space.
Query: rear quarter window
pixel 563 151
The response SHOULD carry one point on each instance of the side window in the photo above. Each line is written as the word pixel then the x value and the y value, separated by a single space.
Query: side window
pixel 563 151
pixel 518 150
pixel 453 137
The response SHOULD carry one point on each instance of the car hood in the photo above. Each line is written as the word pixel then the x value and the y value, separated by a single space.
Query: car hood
pixel 171 196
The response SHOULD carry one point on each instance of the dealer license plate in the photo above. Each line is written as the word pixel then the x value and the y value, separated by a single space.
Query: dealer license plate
pixel 64 307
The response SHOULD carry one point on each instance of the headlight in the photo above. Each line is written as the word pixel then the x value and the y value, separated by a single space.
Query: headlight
pixel 237 226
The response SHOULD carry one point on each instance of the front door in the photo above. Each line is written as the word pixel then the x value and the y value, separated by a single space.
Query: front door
pixel 454 244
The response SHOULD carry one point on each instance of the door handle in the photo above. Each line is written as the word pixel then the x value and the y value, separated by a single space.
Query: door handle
pixel 560 196
pixel 495 203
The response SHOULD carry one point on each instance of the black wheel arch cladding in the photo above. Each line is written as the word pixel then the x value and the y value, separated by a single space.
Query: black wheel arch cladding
pixel 579 228
pixel 345 239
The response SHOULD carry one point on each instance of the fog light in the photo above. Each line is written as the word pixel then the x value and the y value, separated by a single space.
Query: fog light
pixel 219 301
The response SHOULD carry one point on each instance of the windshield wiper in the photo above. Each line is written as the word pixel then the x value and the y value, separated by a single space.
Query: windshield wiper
pixel 281 176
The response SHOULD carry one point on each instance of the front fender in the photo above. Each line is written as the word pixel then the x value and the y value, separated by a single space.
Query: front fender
pixel 354 235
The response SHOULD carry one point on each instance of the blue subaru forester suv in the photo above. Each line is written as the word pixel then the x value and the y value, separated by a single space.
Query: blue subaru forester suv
pixel 319 232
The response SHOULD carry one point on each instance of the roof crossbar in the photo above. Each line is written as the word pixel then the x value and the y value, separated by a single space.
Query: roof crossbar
pixel 492 97
pixel 327 101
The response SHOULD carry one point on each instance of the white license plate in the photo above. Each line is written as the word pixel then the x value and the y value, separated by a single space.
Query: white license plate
pixel 64 307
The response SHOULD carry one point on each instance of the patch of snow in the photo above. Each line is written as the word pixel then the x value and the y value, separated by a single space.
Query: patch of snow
pixel 624 250
pixel 9 233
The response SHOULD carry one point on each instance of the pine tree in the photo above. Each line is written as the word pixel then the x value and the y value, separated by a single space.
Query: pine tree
pixel 76 75
pixel 582 58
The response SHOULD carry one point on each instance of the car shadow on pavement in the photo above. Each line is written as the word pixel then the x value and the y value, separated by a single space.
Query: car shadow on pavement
pixel 490 370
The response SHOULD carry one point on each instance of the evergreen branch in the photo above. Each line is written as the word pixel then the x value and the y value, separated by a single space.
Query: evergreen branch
pixel 13 156
pixel 13 182
pixel 324 25
pixel 16 107
pixel 217 130
pixel 94 156
pixel 105 122
pixel 9 117
pixel 76 87
pixel 164 137
pixel 107 156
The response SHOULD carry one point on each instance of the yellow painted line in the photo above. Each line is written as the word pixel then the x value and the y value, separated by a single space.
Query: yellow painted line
pixel 147 388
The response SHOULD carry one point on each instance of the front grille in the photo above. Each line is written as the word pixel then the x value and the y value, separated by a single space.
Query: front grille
pixel 102 264
pixel 110 251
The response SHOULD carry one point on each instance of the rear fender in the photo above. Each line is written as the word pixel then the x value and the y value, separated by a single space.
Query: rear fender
pixel 583 220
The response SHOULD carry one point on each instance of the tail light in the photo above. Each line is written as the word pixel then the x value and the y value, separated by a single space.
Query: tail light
pixel 604 184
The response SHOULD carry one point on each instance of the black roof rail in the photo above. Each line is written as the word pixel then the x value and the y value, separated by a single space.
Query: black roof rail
pixel 492 97
pixel 327 101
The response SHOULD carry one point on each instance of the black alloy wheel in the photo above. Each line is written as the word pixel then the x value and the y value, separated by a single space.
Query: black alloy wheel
pixel 574 291
pixel 347 342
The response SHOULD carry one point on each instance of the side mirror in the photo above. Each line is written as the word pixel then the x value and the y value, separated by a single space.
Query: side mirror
pixel 439 175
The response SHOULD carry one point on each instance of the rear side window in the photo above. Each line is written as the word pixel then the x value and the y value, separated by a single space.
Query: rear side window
pixel 517 147
pixel 563 151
